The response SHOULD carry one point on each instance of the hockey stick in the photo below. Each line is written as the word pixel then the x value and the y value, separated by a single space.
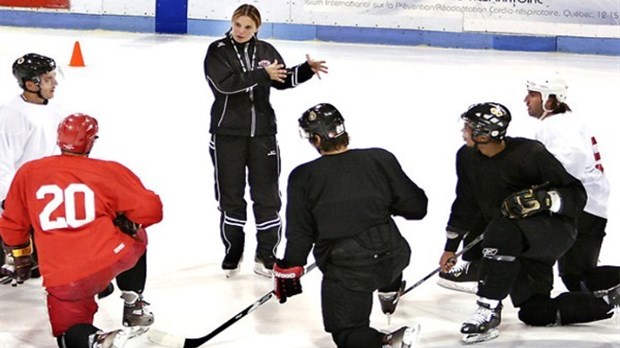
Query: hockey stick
pixel 465 248
pixel 169 340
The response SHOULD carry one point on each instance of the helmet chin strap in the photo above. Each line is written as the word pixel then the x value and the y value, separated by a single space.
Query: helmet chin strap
pixel 38 93
pixel 546 112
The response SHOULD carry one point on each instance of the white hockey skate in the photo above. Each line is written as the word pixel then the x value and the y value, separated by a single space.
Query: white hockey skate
pixel 405 337
pixel 482 326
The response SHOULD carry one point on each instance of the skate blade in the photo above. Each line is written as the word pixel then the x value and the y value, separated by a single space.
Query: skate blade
pixel 262 271
pixel 480 337
pixel 135 331
pixel 231 272
pixel 468 287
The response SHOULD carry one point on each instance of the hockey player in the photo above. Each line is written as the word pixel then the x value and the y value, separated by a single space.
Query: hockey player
pixel 241 70
pixel 342 205
pixel 28 126
pixel 88 218
pixel 565 135
pixel 530 203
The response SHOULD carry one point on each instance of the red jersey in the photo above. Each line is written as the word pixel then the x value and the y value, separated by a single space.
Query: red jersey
pixel 70 202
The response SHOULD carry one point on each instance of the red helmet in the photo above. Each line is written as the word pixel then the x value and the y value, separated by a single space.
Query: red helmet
pixel 77 133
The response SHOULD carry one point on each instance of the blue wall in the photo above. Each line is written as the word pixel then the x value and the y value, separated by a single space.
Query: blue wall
pixel 177 22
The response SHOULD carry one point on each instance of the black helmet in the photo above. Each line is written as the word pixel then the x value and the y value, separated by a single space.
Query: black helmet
pixel 490 119
pixel 322 119
pixel 30 67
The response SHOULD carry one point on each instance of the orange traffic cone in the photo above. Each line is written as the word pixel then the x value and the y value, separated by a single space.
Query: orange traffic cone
pixel 76 58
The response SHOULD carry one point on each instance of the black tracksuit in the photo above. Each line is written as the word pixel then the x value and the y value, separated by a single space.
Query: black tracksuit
pixel 243 128
pixel 342 204
pixel 534 242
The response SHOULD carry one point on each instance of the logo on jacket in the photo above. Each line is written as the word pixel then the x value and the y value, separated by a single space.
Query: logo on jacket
pixel 221 44
pixel 271 153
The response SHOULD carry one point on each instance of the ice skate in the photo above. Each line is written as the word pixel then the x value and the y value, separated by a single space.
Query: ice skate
pixel 405 337
pixel 112 339
pixel 263 265
pixel 136 314
pixel 482 326
pixel 231 267
pixel 612 297
pixel 389 300
pixel 463 277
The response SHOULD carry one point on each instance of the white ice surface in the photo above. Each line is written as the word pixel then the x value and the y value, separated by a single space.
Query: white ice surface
pixel 149 94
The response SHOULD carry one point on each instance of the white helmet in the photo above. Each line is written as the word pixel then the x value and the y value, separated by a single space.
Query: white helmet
pixel 547 85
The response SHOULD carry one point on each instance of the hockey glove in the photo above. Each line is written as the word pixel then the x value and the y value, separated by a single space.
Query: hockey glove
pixel 22 262
pixel 286 280
pixel 127 226
pixel 527 202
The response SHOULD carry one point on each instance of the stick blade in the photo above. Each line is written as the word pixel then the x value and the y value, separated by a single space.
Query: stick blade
pixel 165 339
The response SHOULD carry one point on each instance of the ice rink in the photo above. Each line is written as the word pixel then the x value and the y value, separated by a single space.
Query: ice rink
pixel 150 96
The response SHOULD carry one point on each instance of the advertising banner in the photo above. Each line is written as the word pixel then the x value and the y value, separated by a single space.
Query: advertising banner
pixel 599 18
pixel 36 3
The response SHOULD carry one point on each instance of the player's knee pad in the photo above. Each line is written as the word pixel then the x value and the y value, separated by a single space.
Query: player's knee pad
pixel 76 336
pixel 540 310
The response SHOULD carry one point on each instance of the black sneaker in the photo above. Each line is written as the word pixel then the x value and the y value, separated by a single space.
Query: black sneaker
pixel 463 277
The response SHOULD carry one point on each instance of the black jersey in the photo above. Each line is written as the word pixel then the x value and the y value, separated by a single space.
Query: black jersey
pixel 484 182
pixel 241 86
pixel 342 195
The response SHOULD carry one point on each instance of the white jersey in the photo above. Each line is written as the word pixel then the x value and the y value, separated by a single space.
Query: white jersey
pixel 567 138
pixel 27 131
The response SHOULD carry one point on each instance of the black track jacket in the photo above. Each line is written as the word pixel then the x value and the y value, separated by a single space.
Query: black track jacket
pixel 241 86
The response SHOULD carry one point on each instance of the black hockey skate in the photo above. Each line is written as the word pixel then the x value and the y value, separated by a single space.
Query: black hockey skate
pixel 482 326
pixel 263 265
pixel 611 296
pixel 463 278
pixel 389 300
pixel 405 337
pixel 112 339
pixel 136 315
pixel 231 267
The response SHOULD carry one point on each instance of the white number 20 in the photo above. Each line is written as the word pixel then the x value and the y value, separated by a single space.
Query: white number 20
pixel 66 196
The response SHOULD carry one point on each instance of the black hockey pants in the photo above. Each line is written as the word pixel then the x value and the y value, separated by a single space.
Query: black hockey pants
pixel 352 270
pixel 584 253
pixel 260 156
pixel 519 256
